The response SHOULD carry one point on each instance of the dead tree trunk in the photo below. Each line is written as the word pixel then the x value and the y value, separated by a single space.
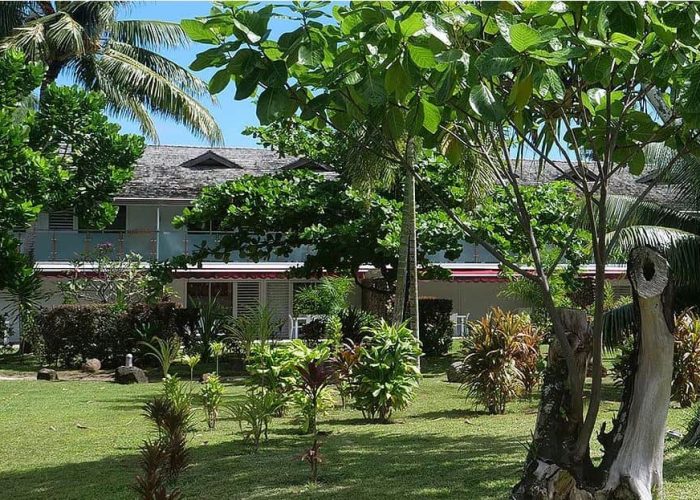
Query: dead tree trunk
pixel 632 464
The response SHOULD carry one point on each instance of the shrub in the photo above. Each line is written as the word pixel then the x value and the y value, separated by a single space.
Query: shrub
pixel 685 388
pixel 257 327
pixel 344 360
pixel 164 458
pixel 211 321
pixel 385 375
pixel 328 297
pixel 500 357
pixel 686 360
pixel 178 393
pixel 316 372
pixel 254 414
pixel 435 325
pixel 691 438
pixel 72 333
pixel 273 369
pixel 212 392
pixel 355 324
pixel 313 332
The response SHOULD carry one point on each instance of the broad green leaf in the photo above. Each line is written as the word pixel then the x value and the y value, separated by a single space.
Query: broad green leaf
pixel 411 24
pixel 556 87
pixel 453 149
pixel 523 37
pixel 431 116
pixel 396 81
pixel 496 60
pixel 521 92
pixel 310 55
pixel 394 122
pixel 485 105
pixel 246 86
pixel 219 81
pixel 598 69
pixel 423 57
pixel 274 104
pixel 198 32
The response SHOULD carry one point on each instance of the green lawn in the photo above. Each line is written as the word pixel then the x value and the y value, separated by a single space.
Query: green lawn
pixel 70 440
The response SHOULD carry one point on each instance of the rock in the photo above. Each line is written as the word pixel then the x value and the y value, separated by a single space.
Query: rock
pixel 454 372
pixel 47 374
pixel 204 377
pixel 91 366
pixel 130 375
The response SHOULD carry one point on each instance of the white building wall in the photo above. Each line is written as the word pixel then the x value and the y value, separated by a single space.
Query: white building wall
pixel 475 299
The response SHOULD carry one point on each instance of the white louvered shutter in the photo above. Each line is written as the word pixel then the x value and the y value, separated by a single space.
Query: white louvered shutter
pixel 277 300
pixel 247 296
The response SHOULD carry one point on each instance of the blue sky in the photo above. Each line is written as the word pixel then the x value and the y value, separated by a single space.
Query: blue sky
pixel 232 116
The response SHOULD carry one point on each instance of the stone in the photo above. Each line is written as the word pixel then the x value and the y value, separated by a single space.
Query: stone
pixel 204 377
pixel 47 374
pixel 454 372
pixel 92 365
pixel 130 375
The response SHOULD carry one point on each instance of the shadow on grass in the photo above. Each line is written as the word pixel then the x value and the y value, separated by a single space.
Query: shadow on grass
pixel 356 465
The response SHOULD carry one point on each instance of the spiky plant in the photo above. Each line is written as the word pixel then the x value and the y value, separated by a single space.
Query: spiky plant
pixel 313 457
pixel 88 42
pixel 254 413
pixel 191 360
pixel 212 392
pixel 217 350
pixel 490 369
pixel 164 351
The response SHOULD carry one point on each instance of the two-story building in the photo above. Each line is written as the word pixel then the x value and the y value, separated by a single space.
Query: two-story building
pixel 168 178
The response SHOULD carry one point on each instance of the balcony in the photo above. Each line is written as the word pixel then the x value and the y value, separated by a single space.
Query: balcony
pixel 67 246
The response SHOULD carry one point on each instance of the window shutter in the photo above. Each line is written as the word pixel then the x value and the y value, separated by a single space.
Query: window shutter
pixel 247 296
pixel 61 221
pixel 278 302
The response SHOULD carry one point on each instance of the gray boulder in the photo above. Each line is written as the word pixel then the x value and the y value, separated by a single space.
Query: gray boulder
pixel 454 372
pixel 47 374
pixel 130 375
pixel 91 366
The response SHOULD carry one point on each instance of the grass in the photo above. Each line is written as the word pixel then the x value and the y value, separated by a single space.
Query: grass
pixel 79 440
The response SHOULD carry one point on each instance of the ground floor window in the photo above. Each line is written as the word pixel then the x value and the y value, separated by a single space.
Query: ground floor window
pixel 243 295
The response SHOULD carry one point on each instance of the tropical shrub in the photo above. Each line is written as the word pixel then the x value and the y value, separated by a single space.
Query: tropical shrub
pixel 165 352
pixel 254 414
pixel 217 350
pixel 312 456
pixel 316 372
pixel 436 327
pixel 686 360
pixel 72 333
pixel 685 388
pixel 313 332
pixel 344 359
pixel 212 392
pixel 355 324
pixel 501 356
pixel 178 393
pixel 164 458
pixel 273 368
pixel 386 373
pixel 691 438
pixel 328 297
pixel 256 327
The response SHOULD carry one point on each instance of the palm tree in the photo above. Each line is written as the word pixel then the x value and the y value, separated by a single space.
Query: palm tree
pixel 116 57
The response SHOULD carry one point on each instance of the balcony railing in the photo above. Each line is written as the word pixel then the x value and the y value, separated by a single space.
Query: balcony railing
pixel 67 246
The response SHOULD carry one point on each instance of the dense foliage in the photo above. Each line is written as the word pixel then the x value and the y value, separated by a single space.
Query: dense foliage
pixel 686 360
pixel 501 357
pixel 66 154
pixel 436 328
pixel 385 375
pixel 70 334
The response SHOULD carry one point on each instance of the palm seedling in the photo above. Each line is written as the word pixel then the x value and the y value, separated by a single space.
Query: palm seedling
pixel 164 351
pixel 191 360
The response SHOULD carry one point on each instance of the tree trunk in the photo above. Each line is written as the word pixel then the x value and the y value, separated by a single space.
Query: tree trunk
pixel 632 464
pixel 412 257
pixel 401 270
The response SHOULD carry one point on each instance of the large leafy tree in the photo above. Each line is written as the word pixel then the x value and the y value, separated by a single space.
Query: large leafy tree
pixel 67 154
pixel 507 82
pixel 119 58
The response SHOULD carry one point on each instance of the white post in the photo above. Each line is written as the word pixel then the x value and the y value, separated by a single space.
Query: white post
pixel 129 360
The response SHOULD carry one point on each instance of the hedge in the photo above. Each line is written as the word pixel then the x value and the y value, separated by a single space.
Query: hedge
pixel 435 325
pixel 72 333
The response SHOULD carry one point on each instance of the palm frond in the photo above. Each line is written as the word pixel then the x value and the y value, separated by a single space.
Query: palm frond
pixel 617 325
pixel 15 14
pixel 622 210
pixel 165 67
pixel 65 35
pixel 149 34
pixel 157 93
pixel 29 39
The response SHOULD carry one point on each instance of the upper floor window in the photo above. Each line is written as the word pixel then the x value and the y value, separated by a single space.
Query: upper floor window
pixel 61 220
pixel 118 225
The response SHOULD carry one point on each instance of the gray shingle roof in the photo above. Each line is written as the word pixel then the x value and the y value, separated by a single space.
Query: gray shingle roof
pixel 160 172
pixel 163 173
